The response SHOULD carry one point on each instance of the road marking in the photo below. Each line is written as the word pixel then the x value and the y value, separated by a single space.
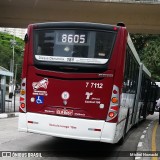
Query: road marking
pixel 154 140
pixel 144 131
pixel 3 115
pixel 140 144
pixel 142 137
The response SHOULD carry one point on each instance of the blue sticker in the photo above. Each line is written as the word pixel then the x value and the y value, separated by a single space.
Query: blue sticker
pixel 39 99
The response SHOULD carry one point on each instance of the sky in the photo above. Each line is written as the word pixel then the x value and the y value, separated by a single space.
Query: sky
pixel 18 32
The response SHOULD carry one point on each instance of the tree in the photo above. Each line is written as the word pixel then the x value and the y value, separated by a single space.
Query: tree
pixel 6 53
pixel 148 48
pixel 151 57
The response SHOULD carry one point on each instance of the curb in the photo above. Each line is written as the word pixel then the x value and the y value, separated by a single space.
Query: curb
pixel 9 115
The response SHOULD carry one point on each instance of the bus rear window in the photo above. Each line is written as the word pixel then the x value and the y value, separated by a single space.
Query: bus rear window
pixel 73 46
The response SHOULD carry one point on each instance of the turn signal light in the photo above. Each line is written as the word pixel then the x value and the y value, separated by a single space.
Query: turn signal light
pixel 114 100
pixel 23 92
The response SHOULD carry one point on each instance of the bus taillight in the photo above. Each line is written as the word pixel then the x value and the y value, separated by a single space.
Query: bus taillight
pixel 114 100
pixel 114 105
pixel 22 92
pixel 111 114
pixel 22 107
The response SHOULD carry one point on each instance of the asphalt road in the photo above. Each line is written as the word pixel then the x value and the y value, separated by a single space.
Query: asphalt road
pixel 66 149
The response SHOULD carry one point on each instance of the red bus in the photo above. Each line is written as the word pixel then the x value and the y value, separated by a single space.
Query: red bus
pixel 81 81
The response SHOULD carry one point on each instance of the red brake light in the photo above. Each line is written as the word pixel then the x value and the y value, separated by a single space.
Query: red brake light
pixel 22 99
pixel 115 108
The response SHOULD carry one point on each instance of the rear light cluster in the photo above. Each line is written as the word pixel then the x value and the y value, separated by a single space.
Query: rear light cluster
pixel 22 107
pixel 114 105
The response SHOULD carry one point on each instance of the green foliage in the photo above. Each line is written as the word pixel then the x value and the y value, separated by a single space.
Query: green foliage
pixel 148 48
pixel 6 53
pixel 151 57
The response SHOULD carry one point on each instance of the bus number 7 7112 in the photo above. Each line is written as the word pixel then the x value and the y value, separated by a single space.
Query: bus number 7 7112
pixel 94 85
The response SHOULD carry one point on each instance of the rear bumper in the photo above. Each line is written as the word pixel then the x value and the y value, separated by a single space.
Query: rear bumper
pixel 66 127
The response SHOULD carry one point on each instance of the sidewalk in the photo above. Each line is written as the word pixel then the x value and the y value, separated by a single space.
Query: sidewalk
pixel 149 143
pixel 9 107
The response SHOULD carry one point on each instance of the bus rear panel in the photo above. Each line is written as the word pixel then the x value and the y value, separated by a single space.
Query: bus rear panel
pixel 72 79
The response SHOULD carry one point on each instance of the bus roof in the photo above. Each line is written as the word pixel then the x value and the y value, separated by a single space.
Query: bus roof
pixel 68 24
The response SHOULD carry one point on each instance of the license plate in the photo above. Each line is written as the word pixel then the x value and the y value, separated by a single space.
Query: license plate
pixel 66 112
